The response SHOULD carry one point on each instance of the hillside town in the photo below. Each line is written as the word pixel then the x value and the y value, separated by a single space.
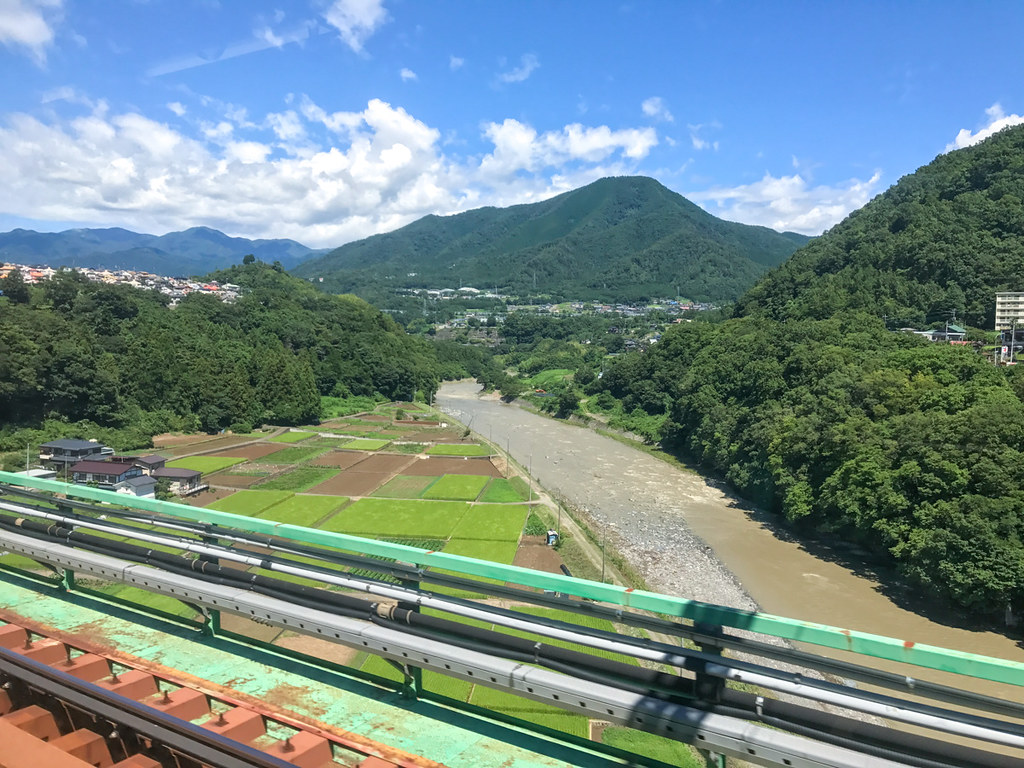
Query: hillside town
pixel 175 288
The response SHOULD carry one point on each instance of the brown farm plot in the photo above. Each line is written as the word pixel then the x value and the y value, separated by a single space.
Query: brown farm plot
pixel 203 498
pixel 209 446
pixel 254 451
pixel 452 466
pixel 351 483
pixel 339 459
pixel 169 441
pixel 234 481
pixel 383 462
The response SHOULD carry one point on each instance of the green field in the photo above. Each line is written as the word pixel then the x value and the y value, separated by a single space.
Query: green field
pixel 456 487
pixel 497 522
pixel 458 449
pixel 502 491
pixel 249 503
pixel 403 487
pixel 303 510
pixel 530 711
pixel 362 444
pixel 545 379
pixel 205 464
pixel 482 549
pixel 404 517
pixel 298 479
pixel 653 746
pixel 290 437
pixel 294 455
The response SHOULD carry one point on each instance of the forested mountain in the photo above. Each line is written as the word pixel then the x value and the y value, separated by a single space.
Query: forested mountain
pixel 194 251
pixel 943 239
pixel 810 407
pixel 616 239
pixel 114 356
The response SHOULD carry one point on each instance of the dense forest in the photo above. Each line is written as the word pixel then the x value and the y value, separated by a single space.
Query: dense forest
pixel 811 406
pixel 82 357
pixel 618 239
pixel 849 430
pixel 937 245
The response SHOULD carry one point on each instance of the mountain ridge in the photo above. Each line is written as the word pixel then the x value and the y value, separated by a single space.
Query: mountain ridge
pixel 192 251
pixel 617 238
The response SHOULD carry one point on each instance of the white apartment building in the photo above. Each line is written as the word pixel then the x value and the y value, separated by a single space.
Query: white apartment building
pixel 1009 307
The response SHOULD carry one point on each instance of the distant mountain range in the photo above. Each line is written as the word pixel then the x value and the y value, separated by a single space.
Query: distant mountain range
pixel 616 239
pixel 194 251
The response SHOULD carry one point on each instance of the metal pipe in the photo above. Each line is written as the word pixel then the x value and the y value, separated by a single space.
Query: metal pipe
pixel 822 691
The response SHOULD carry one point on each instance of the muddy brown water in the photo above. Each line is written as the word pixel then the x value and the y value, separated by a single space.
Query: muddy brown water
pixel 733 557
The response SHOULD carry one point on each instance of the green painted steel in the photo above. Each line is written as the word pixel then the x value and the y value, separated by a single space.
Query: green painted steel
pixel 878 646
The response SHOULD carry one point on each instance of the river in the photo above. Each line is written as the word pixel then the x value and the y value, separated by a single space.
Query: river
pixel 691 538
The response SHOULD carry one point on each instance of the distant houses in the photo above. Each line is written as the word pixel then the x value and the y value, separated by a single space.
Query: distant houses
pixel 88 462
pixel 61 454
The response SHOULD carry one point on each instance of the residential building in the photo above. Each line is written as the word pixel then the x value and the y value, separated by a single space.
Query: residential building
pixel 951 333
pixel 143 486
pixel 108 475
pixel 148 464
pixel 60 454
pixel 183 482
pixel 1009 310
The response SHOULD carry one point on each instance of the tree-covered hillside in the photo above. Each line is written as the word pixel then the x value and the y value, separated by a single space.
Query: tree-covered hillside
pixel 113 356
pixel 943 239
pixel 616 239
pixel 908 448
pixel 811 407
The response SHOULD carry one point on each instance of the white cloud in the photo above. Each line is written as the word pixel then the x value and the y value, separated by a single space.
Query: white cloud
pixel 701 143
pixel 997 120
pixel 379 168
pixel 788 202
pixel 356 20
pixel 66 93
pixel 518 146
pixel 29 24
pixel 177 108
pixel 287 126
pixel 528 63
pixel 656 108
pixel 454 63
pixel 407 74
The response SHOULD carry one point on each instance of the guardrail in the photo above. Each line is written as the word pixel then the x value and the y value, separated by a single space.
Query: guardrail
pixel 864 643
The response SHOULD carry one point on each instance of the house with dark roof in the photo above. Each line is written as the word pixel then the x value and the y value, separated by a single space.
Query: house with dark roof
pixel 108 475
pixel 143 485
pixel 183 482
pixel 60 454
pixel 146 463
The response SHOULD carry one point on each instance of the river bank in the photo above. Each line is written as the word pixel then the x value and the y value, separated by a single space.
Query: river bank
pixel 687 536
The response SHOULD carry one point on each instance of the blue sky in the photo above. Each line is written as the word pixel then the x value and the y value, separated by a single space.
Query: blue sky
pixel 327 121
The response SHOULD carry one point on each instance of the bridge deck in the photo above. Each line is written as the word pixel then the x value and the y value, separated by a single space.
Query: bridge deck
pixel 439 733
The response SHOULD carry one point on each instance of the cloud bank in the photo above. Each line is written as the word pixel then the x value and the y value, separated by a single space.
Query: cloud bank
pixel 28 25
pixel 997 120
pixel 323 178
pixel 788 203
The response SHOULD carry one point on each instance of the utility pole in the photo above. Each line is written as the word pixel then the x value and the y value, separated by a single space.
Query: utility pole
pixel 531 478
pixel 1013 337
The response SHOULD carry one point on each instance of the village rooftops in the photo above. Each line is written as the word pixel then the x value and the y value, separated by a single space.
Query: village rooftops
pixel 101 467
pixel 71 444
pixel 176 472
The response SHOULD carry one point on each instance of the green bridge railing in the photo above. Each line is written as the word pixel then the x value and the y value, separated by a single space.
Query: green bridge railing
pixel 877 646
